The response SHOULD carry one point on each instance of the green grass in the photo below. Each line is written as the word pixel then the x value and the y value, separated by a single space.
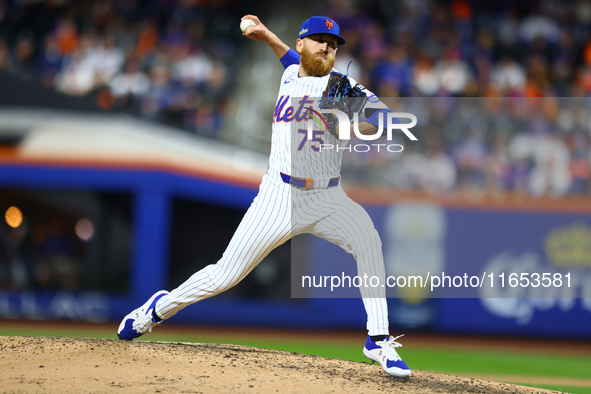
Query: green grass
pixel 506 363
pixel 457 362
pixel 564 389
pixel 62 332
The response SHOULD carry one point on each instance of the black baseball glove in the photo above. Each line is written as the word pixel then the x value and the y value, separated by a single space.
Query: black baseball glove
pixel 340 95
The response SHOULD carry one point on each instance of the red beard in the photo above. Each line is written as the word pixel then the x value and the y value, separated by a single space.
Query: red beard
pixel 316 66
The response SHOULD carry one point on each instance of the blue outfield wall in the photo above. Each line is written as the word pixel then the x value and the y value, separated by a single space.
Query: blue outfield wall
pixel 506 248
pixel 512 243
pixel 417 238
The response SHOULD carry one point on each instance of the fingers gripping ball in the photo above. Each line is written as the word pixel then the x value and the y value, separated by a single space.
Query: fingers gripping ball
pixel 246 24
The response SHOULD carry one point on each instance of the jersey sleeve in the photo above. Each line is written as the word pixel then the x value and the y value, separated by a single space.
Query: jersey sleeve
pixel 290 58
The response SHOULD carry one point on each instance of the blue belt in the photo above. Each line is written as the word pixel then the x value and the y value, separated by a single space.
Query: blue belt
pixel 306 183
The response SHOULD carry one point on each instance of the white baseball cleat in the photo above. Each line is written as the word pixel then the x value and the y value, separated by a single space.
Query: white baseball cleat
pixel 140 320
pixel 384 353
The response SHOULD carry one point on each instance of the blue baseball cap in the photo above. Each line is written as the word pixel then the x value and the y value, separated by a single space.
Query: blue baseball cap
pixel 321 24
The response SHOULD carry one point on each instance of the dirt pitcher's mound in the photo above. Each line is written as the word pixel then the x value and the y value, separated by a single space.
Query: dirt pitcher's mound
pixel 76 365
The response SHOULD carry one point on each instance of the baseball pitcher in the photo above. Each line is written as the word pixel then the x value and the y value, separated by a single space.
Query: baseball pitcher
pixel 301 191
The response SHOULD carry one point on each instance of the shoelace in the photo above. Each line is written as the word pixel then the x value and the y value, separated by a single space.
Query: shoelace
pixel 389 347
pixel 144 323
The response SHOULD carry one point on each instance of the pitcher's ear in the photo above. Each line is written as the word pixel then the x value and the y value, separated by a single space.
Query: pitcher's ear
pixel 299 45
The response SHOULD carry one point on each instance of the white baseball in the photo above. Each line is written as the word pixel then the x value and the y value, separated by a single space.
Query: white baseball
pixel 246 23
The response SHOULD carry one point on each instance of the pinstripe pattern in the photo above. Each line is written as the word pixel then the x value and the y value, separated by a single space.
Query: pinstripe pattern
pixel 330 214
pixel 265 226
pixel 281 211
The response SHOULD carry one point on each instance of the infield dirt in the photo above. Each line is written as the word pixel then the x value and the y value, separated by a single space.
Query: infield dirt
pixel 75 365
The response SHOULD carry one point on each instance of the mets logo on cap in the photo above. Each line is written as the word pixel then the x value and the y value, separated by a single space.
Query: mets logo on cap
pixel 321 24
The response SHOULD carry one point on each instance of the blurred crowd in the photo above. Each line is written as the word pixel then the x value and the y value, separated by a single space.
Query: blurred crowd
pixel 467 48
pixel 172 61
pixel 536 146
pixel 460 50
pixel 176 61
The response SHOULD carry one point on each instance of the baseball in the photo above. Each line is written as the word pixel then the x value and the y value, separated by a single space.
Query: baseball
pixel 245 24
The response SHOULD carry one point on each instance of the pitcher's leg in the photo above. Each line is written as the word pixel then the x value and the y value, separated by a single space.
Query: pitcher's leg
pixel 377 315
pixel 348 225
pixel 345 223
pixel 265 226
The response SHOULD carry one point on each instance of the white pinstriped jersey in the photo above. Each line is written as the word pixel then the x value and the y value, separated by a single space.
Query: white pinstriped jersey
pixel 294 150
pixel 281 211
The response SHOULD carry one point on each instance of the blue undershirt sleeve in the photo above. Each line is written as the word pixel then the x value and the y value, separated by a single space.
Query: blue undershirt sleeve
pixel 291 57
pixel 374 117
